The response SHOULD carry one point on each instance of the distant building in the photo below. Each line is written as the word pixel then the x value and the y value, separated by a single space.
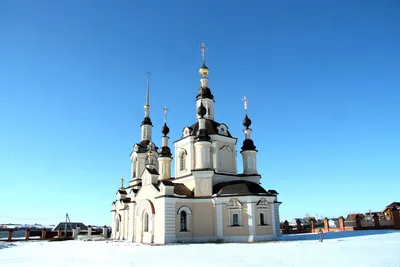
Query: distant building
pixel 369 216
pixel 387 212
pixel 303 222
pixel 70 226
pixel 352 216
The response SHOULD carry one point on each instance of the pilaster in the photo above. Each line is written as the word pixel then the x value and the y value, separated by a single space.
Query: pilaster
pixel 251 221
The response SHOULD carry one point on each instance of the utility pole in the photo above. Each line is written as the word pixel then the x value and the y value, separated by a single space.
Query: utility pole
pixel 67 221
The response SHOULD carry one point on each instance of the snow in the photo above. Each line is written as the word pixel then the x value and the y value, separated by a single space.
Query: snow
pixel 5 245
pixel 358 248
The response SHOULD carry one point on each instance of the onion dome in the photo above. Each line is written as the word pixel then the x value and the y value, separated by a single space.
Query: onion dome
pixel 246 122
pixel 201 110
pixel 165 129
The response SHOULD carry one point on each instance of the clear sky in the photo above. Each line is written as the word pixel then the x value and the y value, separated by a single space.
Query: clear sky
pixel 322 79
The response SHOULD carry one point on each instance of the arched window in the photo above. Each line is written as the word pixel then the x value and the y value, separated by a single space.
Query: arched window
pixel 146 222
pixel 183 221
pixel 262 219
pixel 182 160
pixel 134 167
pixel 183 215
pixel 235 219
pixel 117 222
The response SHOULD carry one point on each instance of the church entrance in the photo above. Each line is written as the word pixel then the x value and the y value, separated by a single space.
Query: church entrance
pixel 117 222
pixel 145 221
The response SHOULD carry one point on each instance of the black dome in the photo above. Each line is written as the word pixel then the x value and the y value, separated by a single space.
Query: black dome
pixel 248 144
pixel 246 122
pixel 238 188
pixel 165 152
pixel 147 121
pixel 204 92
pixel 201 110
pixel 165 129
pixel 202 135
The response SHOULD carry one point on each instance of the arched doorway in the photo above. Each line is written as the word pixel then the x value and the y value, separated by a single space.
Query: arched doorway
pixel 145 221
pixel 117 225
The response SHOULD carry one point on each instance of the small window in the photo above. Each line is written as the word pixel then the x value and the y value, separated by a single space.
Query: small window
pixel 146 222
pixel 183 162
pixel 235 219
pixel 209 111
pixel 183 221
pixel 262 219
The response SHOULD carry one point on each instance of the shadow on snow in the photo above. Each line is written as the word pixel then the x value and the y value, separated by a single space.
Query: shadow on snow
pixel 335 235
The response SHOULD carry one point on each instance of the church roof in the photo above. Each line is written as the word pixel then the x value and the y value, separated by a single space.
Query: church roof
pixel 248 144
pixel 238 188
pixel 211 127
pixel 152 171
pixel 142 146
pixel 204 92
pixel 181 189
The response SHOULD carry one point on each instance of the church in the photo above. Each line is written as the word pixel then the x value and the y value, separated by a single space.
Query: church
pixel 206 200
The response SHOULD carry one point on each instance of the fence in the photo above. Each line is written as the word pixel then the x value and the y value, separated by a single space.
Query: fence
pixel 16 235
pixel 343 225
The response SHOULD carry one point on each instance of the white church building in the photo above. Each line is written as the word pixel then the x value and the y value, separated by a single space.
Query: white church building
pixel 206 200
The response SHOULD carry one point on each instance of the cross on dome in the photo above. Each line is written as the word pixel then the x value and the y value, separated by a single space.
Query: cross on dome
pixel 203 70
pixel 165 113
pixel 203 52
pixel 245 101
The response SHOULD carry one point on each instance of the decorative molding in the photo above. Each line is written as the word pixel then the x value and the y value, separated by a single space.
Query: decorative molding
pixel 234 203
pixel 184 208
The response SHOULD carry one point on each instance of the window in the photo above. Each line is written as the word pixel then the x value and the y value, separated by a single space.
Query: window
pixel 235 212
pixel 209 111
pixel 146 222
pixel 262 220
pixel 183 221
pixel 235 219
pixel 263 208
pixel 182 166
pixel 183 215
pixel 134 162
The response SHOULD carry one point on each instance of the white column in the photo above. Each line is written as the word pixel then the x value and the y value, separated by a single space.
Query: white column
pixel 220 221
pixel 113 226
pixel 202 154
pixel 131 225
pixel 122 227
pixel 251 221
pixel 89 231
pixel 105 231
pixel 249 161
pixel 165 167
pixel 273 223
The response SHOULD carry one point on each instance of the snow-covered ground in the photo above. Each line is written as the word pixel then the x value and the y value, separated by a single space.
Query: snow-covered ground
pixel 353 249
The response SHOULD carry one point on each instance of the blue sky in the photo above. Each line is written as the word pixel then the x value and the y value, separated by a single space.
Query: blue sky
pixel 322 79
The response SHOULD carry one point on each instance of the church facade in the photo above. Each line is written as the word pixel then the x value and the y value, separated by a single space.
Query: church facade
pixel 207 200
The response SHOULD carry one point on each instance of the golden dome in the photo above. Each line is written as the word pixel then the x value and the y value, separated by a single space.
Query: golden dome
pixel 203 71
